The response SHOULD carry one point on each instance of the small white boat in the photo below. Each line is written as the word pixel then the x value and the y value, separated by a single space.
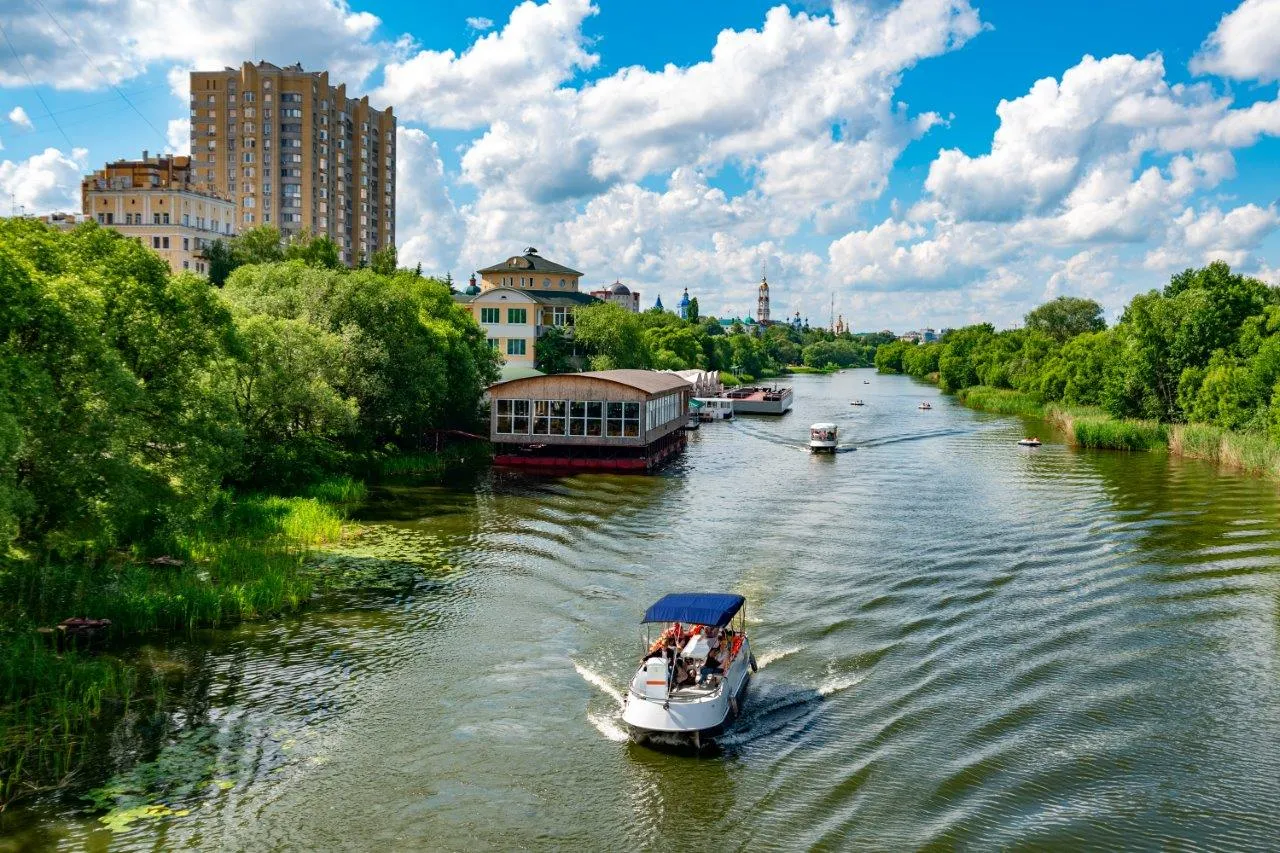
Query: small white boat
pixel 857 403
pixel 866 382
pixel 693 678
pixel 925 406
pixel 823 437
pixel 1030 442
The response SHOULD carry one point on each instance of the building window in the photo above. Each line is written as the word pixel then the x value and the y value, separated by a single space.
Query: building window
pixel 586 419
pixel 549 417
pixel 513 417
pixel 515 346
pixel 186 265
pixel 489 315
pixel 559 316
pixel 622 420
pixel 164 242
pixel 493 344
pixel 561 284
pixel 186 244
pixel 518 316
pixel 546 282
pixel 155 242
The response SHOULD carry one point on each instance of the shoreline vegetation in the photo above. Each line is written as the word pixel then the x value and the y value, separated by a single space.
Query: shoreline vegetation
pixel 1192 370
pixel 175 452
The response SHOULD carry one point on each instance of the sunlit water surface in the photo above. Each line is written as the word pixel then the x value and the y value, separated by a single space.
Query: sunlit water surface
pixel 963 643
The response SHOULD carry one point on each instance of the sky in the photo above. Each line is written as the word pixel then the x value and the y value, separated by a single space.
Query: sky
pixel 913 163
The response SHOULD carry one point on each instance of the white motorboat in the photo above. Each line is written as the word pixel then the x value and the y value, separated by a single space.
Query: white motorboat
pixel 925 406
pixel 693 678
pixel 823 437
pixel 866 382
pixel 857 403
pixel 1030 442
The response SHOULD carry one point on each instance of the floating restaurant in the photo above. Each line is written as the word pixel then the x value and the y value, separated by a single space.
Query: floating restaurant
pixel 609 420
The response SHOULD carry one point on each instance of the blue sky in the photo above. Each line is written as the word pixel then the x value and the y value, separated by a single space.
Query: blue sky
pixel 854 147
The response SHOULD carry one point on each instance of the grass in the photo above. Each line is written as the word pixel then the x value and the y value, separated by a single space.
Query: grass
pixel 1093 428
pixel 1250 452
pixel 1002 401
pixel 432 463
pixel 246 560
pixel 804 368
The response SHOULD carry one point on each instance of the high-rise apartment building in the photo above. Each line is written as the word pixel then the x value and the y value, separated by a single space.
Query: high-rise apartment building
pixel 157 202
pixel 297 153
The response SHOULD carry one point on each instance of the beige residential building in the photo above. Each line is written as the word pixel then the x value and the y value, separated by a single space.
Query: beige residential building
pixel 156 201
pixel 295 152
pixel 518 300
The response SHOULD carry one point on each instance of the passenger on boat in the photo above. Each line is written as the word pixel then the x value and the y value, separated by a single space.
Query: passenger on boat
pixel 714 666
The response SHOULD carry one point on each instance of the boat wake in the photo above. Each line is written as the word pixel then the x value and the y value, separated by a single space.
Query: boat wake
pixel 609 725
pixel 775 656
pixel 598 681
pixel 837 683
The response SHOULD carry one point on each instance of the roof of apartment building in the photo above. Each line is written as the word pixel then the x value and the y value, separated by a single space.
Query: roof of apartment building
pixel 532 262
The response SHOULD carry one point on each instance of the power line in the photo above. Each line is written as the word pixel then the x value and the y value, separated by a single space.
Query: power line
pixel 164 138
pixel 27 74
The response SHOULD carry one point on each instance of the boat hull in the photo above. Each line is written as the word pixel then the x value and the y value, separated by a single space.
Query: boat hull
pixel 822 446
pixel 697 723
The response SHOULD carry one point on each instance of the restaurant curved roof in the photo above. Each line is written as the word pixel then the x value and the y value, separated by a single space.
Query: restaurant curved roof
pixel 646 381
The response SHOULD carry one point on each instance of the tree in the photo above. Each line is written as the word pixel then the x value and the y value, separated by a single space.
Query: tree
pixel 259 245
pixel 692 310
pixel 612 332
pixel 313 251
pixel 222 262
pixel 1066 317
pixel 955 369
pixel 554 351
pixel 384 262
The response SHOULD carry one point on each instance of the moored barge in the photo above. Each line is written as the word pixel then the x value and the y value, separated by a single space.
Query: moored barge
pixel 609 420
pixel 755 400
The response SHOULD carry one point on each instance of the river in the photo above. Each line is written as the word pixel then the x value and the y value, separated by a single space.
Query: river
pixel 962 643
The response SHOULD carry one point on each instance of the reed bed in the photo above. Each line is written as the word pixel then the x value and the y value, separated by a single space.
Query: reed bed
pixel 1002 401
pixel 1250 452
pixel 246 560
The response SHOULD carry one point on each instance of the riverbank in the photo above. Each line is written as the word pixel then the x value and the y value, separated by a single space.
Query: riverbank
pixel 249 557
pixel 1093 428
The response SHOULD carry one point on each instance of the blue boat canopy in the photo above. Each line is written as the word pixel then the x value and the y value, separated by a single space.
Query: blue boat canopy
pixel 699 608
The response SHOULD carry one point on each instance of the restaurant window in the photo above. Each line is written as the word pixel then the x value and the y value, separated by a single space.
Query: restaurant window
pixel 613 420
pixel 515 346
pixel 489 315
pixel 517 316
pixel 577 418
pixel 549 417
pixel 595 419
pixel 513 417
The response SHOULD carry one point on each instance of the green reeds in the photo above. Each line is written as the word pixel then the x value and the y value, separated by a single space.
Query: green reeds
pixel 1095 429
pixel 1002 401
pixel 1253 453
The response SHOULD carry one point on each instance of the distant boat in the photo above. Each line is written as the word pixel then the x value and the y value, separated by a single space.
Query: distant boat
pixel 1030 442
pixel 866 382
pixel 857 403
pixel 925 406
pixel 823 437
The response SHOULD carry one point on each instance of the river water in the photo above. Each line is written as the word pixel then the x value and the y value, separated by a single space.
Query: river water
pixel 963 643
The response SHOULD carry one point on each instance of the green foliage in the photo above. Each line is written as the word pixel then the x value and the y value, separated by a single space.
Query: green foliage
pixel 610 334
pixel 692 310
pixel 554 351
pixel 1002 401
pixel 1066 317
pixel 957 367
pixel 889 356
pixel 221 260
pixel 384 262
pixel 261 245
pixel 313 251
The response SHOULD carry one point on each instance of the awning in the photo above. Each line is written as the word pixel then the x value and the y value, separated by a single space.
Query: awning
pixel 698 608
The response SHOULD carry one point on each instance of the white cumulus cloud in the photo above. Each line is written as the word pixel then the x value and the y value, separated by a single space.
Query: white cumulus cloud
pixel 19 117
pixel 478 23
pixel 1245 45
pixel 44 182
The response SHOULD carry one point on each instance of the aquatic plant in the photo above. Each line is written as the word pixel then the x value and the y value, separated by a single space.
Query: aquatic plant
pixel 1001 401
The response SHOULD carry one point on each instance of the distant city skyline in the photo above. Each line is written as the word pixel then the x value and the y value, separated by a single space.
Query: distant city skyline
pixel 932 162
